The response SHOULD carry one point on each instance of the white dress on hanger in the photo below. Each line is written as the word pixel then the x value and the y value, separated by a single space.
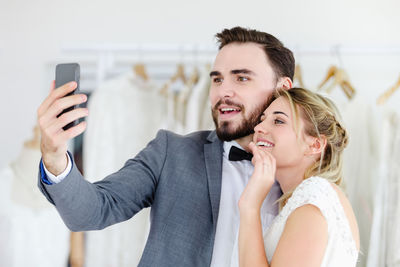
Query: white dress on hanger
pixel 393 207
pixel 197 103
pixel 360 161
pixel 341 249
pixel 360 166
pixel 174 107
pixel 207 122
pixel 31 231
pixel 124 115
pixel 385 233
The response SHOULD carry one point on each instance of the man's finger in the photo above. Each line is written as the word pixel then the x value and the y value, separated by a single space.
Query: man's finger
pixel 55 94
pixel 46 103
pixel 73 131
pixel 67 118
pixel 63 103
pixel 50 116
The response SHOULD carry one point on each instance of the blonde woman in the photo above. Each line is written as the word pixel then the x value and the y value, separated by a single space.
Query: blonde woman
pixel 299 143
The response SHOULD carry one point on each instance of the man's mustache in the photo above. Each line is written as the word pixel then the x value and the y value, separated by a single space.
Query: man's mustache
pixel 229 103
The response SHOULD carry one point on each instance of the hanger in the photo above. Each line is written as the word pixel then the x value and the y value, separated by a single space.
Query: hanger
pixel 329 74
pixel 386 95
pixel 34 142
pixel 348 89
pixel 140 70
pixel 340 78
pixel 298 76
pixel 194 77
pixel 179 75
pixel 184 94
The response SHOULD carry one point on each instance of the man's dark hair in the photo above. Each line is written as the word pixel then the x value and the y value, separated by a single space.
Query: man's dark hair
pixel 281 58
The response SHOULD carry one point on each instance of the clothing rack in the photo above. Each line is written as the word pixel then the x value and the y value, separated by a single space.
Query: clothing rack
pixel 160 58
pixel 110 59
pixel 337 51
pixel 348 50
pixel 212 49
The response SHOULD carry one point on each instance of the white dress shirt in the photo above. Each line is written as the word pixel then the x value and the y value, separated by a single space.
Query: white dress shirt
pixel 58 178
pixel 235 175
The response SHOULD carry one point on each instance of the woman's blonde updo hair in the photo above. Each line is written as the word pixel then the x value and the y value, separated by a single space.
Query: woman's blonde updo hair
pixel 321 118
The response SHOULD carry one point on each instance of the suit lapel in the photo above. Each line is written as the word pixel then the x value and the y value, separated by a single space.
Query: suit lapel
pixel 213 161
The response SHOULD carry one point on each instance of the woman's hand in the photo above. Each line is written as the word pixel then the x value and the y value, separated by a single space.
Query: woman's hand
pixel 251 242
pixel 261 181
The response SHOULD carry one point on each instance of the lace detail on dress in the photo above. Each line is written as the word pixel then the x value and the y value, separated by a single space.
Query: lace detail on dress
pixel 319 192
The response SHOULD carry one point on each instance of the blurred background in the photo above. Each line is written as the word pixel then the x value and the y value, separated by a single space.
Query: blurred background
pixel 349 49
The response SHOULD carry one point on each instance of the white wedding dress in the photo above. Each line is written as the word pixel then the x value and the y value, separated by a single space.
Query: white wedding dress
pixel 31 231
pixel 125 114
pixel 385 231
pixel 341 249
pixel 360 166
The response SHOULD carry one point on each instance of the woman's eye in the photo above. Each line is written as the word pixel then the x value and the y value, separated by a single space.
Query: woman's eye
pixel 242 79
pixel 277 121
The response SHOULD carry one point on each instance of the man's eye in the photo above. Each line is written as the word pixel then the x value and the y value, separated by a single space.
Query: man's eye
pixel 217 80
pixel 242 79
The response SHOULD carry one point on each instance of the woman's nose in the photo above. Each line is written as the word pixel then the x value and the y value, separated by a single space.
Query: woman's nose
pixel 261 128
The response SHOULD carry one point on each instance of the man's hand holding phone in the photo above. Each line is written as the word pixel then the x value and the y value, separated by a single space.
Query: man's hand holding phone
pixel 54 139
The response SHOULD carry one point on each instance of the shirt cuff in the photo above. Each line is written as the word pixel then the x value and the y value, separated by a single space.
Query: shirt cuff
pixel 49 178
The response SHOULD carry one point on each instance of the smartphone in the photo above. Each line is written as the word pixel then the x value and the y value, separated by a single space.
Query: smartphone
pixel 66 73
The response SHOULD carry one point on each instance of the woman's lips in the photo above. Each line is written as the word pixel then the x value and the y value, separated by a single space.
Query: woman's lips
pixel 265 143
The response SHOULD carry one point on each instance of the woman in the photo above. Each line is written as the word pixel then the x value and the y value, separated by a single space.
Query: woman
pixel 299 142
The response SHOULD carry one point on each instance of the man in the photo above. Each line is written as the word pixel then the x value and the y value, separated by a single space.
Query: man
pixel 189 181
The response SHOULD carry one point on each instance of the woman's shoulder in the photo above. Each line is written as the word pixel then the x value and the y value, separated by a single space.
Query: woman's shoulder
pixel 328 198
pixel 320 191
pixel 315 191
pixel 313 182
pixel 313 188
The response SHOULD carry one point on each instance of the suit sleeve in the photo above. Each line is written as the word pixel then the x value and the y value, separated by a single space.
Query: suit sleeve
pixel 92 206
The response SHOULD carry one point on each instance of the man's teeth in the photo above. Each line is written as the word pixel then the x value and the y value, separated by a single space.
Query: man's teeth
pixel 228 109
pixel 264 144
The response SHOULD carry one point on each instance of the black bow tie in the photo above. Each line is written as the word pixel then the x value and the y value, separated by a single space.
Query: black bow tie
pixel 236 154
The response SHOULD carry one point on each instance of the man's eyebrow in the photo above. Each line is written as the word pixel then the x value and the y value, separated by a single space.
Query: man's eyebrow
pixel 238 71
pixel 215 73
pixel 243 71
pixel 280 112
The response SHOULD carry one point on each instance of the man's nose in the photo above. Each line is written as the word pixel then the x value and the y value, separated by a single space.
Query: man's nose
pixel 226 89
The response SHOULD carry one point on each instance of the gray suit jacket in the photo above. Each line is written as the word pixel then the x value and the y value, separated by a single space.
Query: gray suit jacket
pixel 179 177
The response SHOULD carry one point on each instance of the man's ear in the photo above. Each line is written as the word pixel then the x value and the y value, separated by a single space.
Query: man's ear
pixel 285 82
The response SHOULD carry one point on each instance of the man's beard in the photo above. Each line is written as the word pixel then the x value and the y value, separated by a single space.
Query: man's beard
pixel 225 132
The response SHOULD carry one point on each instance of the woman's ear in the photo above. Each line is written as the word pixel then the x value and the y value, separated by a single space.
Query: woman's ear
pixel 316 145
pixel 285 83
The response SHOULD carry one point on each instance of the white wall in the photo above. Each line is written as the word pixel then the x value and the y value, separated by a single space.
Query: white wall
pixel 32 33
